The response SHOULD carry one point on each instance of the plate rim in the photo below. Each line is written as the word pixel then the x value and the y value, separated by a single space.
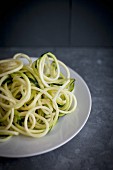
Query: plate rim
pixel 67 140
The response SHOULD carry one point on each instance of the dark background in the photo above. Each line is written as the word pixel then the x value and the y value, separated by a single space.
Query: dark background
pixel 56 23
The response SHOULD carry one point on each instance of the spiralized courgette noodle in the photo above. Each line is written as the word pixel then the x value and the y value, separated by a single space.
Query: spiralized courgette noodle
pixel 34 95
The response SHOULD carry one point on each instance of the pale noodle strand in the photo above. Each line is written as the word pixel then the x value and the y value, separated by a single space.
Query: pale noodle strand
pixel 21 55
pixel 33 96
pixel 6 63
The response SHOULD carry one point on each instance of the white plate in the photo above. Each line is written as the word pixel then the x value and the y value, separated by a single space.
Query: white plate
pixel 66 128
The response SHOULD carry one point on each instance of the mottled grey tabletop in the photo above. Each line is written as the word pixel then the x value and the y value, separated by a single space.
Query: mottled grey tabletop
pixel 92 148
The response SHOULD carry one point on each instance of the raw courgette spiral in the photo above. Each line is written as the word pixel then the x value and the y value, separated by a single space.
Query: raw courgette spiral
pixel 33 96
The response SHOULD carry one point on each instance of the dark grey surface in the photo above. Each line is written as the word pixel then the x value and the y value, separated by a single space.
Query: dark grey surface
pixel 56 23
pixel 92 23
pixel 92 148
